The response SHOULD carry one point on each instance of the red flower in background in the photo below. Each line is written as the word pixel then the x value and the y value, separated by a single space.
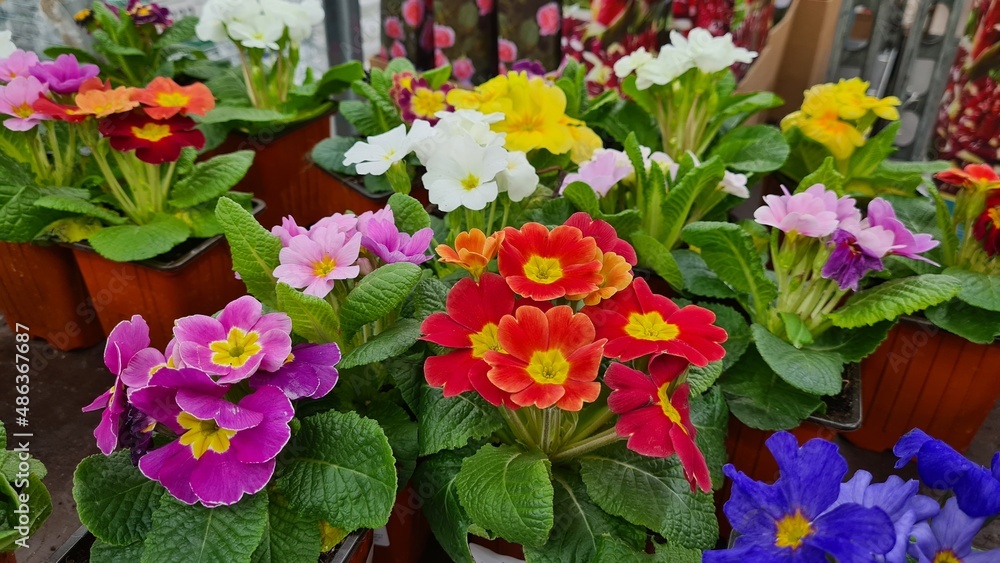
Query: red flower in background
pixel 987 228
pixel 413 12
pixel 470 326
pixel 655 418
pixel 154 141
pixel 973 176
pixel 544 265
pixel 444 36
pixel 393 28
pixel 549 19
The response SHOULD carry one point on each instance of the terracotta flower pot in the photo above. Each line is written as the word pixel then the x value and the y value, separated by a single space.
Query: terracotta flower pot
pixel 925 377
pixel 199 282
pixel 8 557
pixel 41 288
pixel 350 194
pixel 405 536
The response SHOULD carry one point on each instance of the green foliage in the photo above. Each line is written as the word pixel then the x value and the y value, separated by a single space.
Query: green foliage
pixel 978 290
pixel 813 371
pixel 255 251
pixel 757 148
pixel 401 431
pixel 288 537
pixel 78 202
pixel 710 416
pixel 128 243
pixel 971 323
pixel 193 533
pixel 114 500
pixel 377 294
pixel 737 329
pixel 390 343
pixel 450 422
pixel 508 492
pixel 13 484
pixel 890 300
pixel 20 219
pixel 657 257
pixel 408 213
pixel 210 179
pixel 675 211
pixel 435 478
pixel 312 318
pixel 827 175
pixel 698 278
pixel 328 154
pixel 760 399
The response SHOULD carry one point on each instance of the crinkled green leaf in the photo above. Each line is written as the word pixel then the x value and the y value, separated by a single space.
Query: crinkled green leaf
pixel 195 534
pixel 508 492
pixel 312 318
pixel 101 552
pixel 813 371
pixel 210 179
pixel 428 296
pixel 401 431
pixel 698 278
pixel 20 219
pixel 72 200
pixel 760 399
pixel 450 422
pixel 409 214
pixel 181 30
pixel 876 150
pixel 128 243
pixel 338 78
pixel 655 256
pixel 971 323
pixel 255 251
pixel 854 344
pixel 328 154
pixel 435 479
pixel 389 343
pixel 113 499
pixel 226 114
pixel 582 197
pixel 749 104
pixel 710 416
pixel 895 298
pixel 978 290
pixel 691 188
pixel 362 117
pixel 288 537
pixel 701 378
pixel 340 469
pixel 378 294
pixel 650 492
pixel 827 175
pixel 796 330
pixel 612 550
pixel 757 148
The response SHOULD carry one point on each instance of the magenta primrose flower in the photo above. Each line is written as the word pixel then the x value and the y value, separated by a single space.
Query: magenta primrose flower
pixel 16 99
pixel 148 361
pixel 815 212
pixel 223 450
pixel 309 372
pixel 601 173
pixel 905 243
pixel 237 343
pixel 126 339
pixel 287 230
pixel 19 63
pixel 384 214
pixel 65 74
pixel 857 251
pixel 316 261
pixel 383 239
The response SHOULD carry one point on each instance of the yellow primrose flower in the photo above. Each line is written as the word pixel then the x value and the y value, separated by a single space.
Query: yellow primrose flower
pixel 851 97
pixel 586 143
pixel 838 136
pixel 485 95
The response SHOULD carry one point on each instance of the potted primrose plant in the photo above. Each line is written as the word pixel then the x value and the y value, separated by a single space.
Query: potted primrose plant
pixel 530 439
pixel 147 214
pixel 937 372
pixel 263 108
pixel 24 501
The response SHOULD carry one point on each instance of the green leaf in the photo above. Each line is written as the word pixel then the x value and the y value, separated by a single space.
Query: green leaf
pixel 210 179
pixel 676 554
pixel 728 250
pixel 114 500
pixel 698 278
pixel 338 78
pixel 582 196
pixel 895 298
pixel 450 422
pixel 288 537
pixel 226 114
pixel 710 417
pixel 701 378
pixel 874 152
pixel 328 154
pixel 195 534
pixel 971 323
pixel 378 294
pixel 978 290
pixel 255 251
pixel 437 77
pixel 658 258
pixel 81 55
pixel 389 343
pixel 362 117
pixel 855 344
pixel 581 524
pixel 70 201
pixel 508 492
pixel 128 243
pixel 760 399
pixel 101 552
pixel 634 153
pixel 692 187
pixel 407 375
pixel 104 44
pixel 612 550
pixel 312 318
pixel 737 329
pixel 408 213
pixel 20 220
pixel 748 104
pixel 949 239
pixel 340 470
pixel 401 431
pixel 178 32
pixel 435 479
pixel 757 148
pixel 796 330
pixel 827 175
pixel 813 371
pixel 650 492
pixel 39 509
pixel 429 296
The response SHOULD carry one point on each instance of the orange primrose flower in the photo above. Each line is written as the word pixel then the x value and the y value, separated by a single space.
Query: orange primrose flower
pixel 164 98
pixel 616 274
pixel 544 265
pixel 547 358
pixel 102 103
pixel 974 176
pixel 473 251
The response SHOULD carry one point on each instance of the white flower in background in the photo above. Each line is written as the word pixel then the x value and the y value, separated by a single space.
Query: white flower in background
pixel 629 63
pixel 216 15
pixel 666 66
pixel 6 45
pixel 660 158
pixel 382 151
pixel 462 173
pixel 298 17
pixel 259 32
pixel 519 179
pixel 466 123
pixel 735 184
pixel 711 54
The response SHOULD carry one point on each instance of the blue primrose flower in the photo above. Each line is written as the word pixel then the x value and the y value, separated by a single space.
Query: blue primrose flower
pixel 948 538
pixel 976 488
pixel 795 520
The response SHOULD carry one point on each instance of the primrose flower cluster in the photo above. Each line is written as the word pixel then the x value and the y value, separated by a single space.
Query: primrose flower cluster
pixel 977 210
pixel 811 514
pixel 532 337
pixel 220 395
pixel 699 50
pixel 151 14
pixel 344 247
pixel 259 24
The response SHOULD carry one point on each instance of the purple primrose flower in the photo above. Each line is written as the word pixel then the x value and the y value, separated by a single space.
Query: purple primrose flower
pixel 857 251
pixel 310 372
pixel 65 74
pixel 383 239
pixel 816 212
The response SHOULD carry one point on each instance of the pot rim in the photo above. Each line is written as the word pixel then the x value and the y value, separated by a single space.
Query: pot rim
pixel 351 543
pixel 258 205
pixel 68 545
pixel 853 373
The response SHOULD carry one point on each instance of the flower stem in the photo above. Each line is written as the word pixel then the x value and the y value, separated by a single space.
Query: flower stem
pixel 550 428
pixel 597 423
pixel 605 438
pixel 517 426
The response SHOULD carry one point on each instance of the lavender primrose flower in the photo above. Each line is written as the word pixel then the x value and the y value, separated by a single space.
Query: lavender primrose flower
pixel 345 223
pixel 948 538
pixel 19 63
pixel 898 499
pixel 224 450
pixel 316 261
pixel 310 372
pixel 385 241
pixel 816 212
pixel 792 520
pixel 287 230
pixel 126 339
pixel 857 251
pixel 601 172
pixel 905 243
pixel 384 214
pixel 976 488
pixel 65 74
pixel 237 343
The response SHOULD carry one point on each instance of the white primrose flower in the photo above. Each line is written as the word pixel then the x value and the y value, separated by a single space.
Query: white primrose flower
pixel 735 184
pixel 666 66
pixel 711 54
pixel 629 63
pixel 382 151
pixel 518 179
pixel 6 45
pixel 461 173
pixel 216 15
pixel 465 123
pixel 298 17
pixel 258 32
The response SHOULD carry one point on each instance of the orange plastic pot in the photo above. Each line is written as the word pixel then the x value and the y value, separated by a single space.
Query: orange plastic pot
pixel 925 377
pixel 405 536
pixel 41 288
pixel 199 282
pixel 350 193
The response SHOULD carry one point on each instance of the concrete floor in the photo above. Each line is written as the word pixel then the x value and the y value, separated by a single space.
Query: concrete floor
pixel 63 382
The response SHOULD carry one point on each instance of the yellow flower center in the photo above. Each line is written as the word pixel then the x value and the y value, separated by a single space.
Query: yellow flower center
pixel 236 350
pixel 650 326
pixel 203 435
pixel 668 409
pixel 548 367
pixel 142 11
pixel 485 340
pixel 172 99
pixel 540 269
pixel 946 556
pixel 527 122
pixel 792 529
pixel 23 110
pixel 323 268
pixel 152 132
pixel 82 15
pixel 426 102
pixel 994 215
pixel 470 182
pixel 290 358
